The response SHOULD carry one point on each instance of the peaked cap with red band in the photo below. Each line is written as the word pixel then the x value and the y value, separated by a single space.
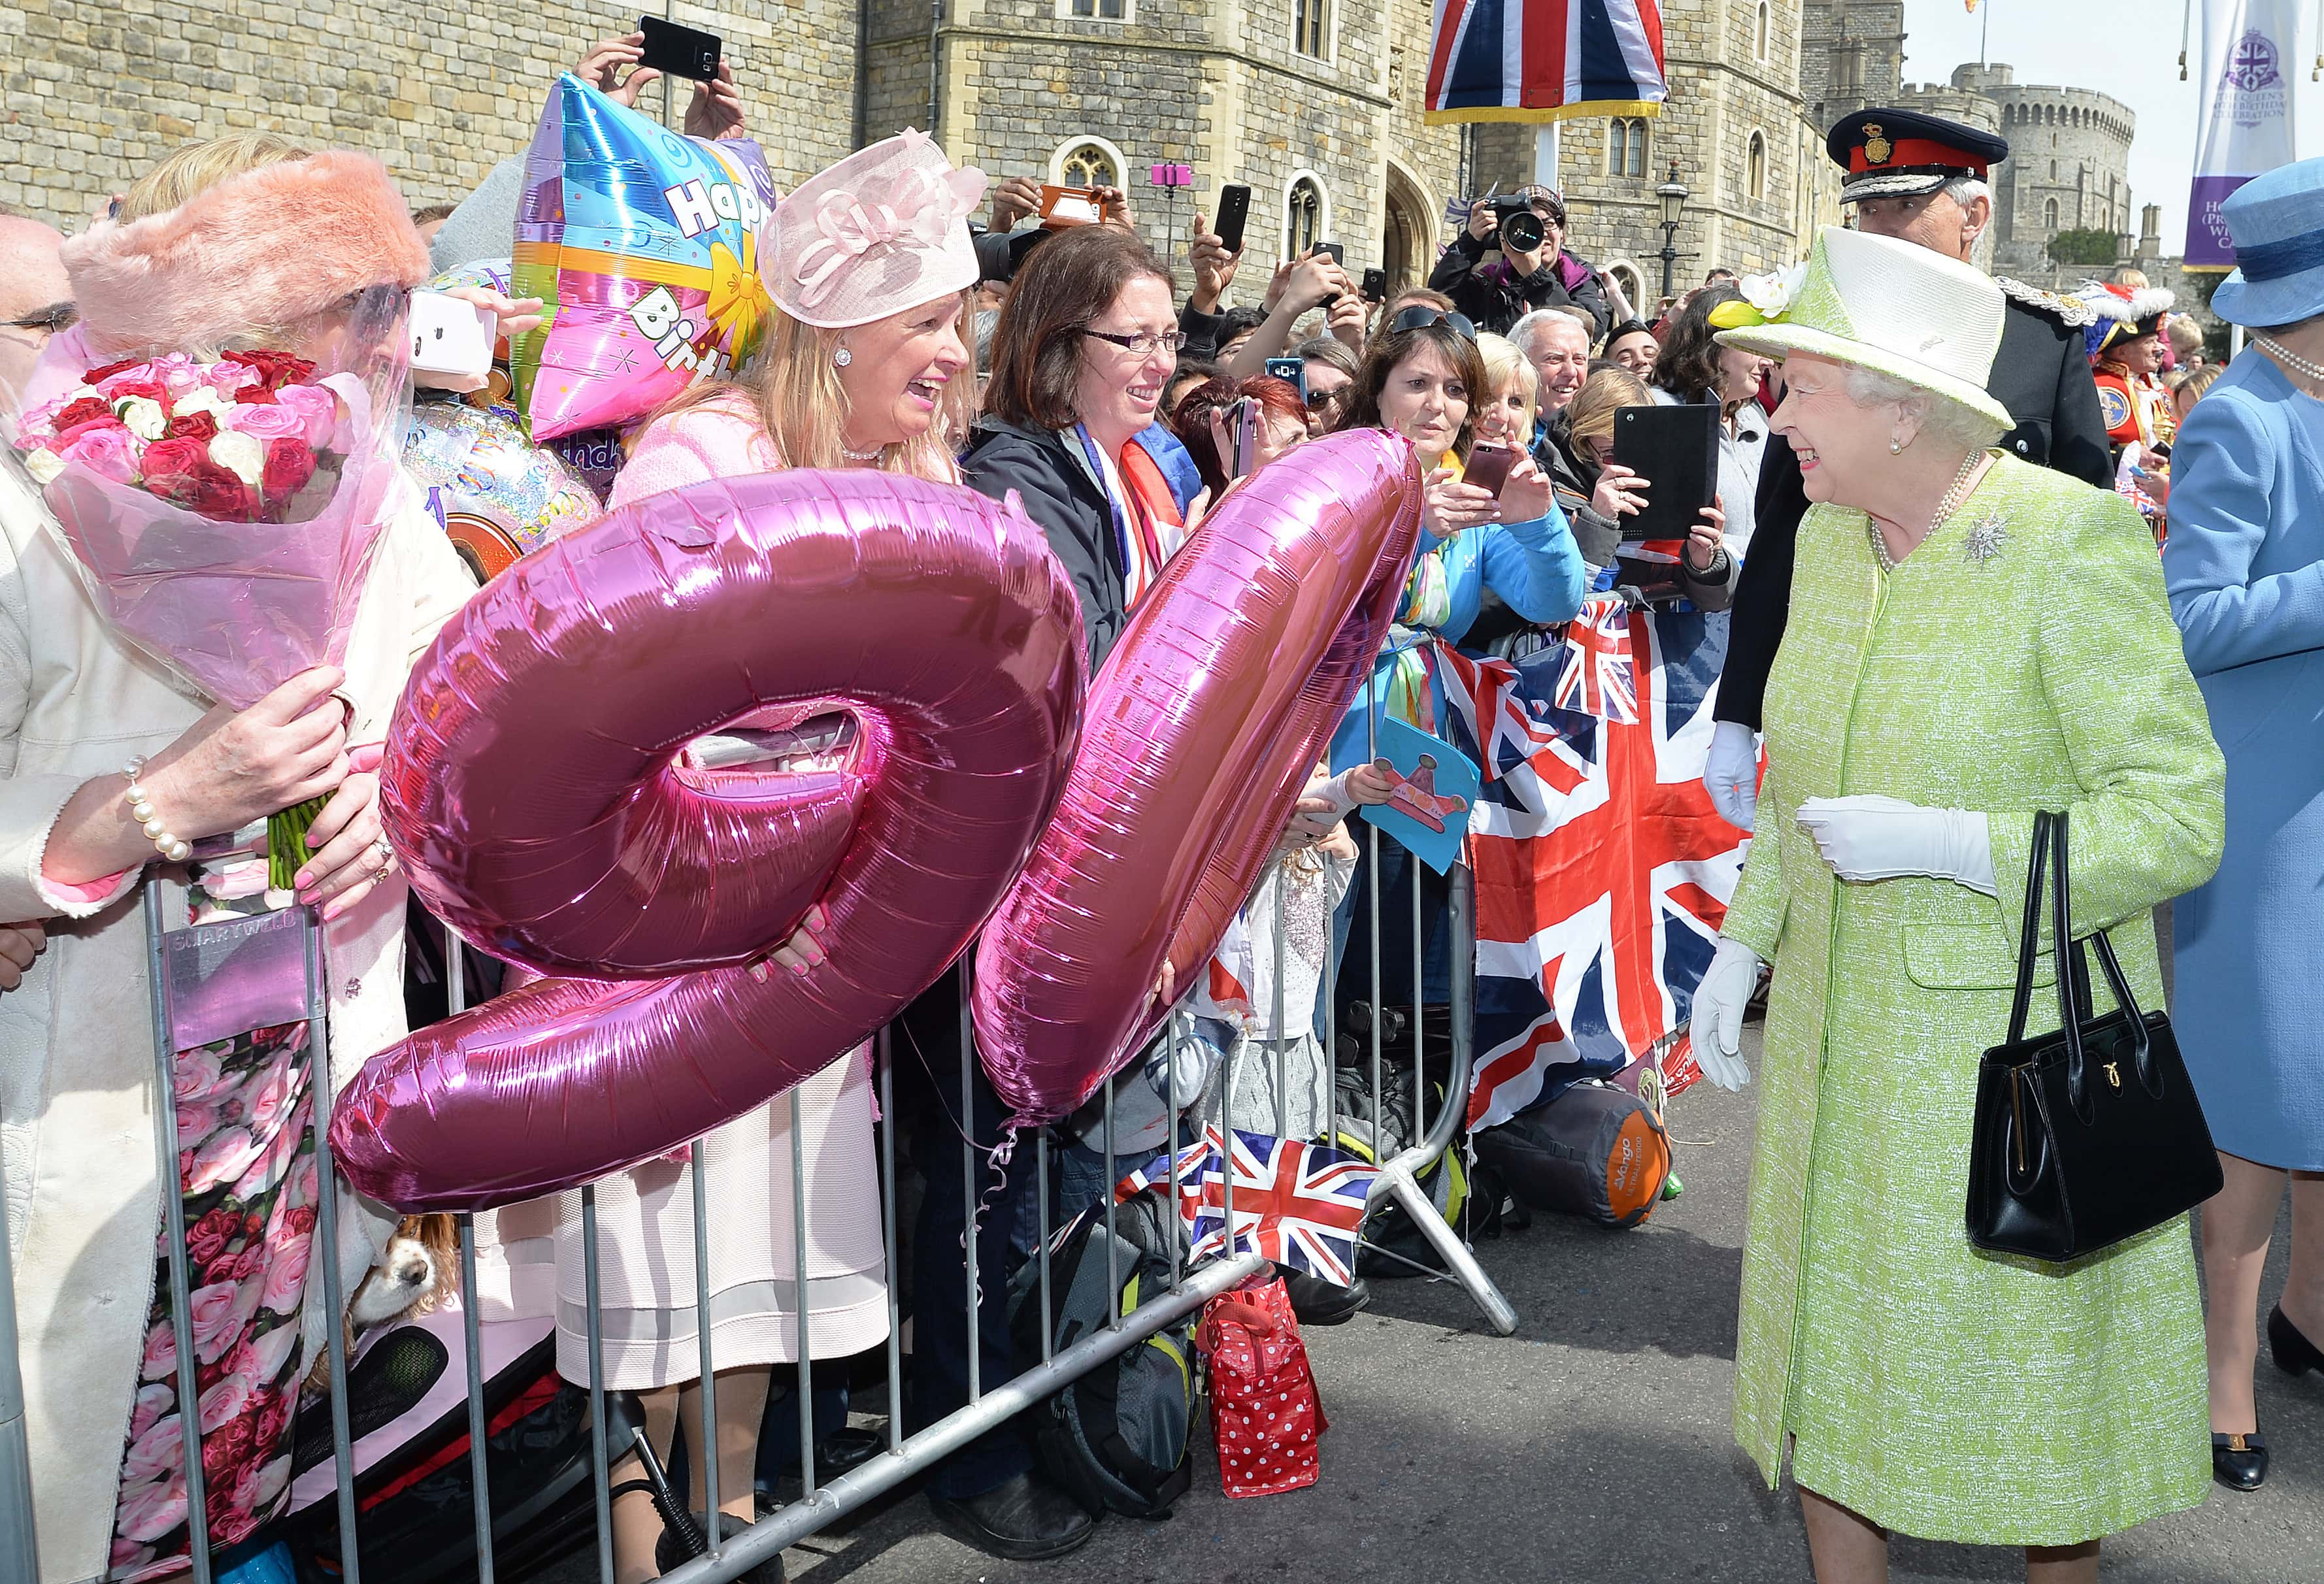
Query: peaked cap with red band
pixel 1903 153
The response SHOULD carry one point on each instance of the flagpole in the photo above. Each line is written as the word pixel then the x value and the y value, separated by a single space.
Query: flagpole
pixel 1984 37
pixel 2186 25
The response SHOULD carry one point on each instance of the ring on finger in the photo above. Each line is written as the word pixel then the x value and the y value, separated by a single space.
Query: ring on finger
pixel 384 854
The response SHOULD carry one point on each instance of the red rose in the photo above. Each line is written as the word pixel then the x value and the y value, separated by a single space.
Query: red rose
pixel 207 1238
pixel 87 409
pixel 277 369
pixel 97 375
pixel 192 426
pixel 180 470
pixel 289 464
pixel 152 390
pixel 301 1220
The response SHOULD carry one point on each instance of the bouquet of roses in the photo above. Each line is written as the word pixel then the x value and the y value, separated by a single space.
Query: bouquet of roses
pixel 223 514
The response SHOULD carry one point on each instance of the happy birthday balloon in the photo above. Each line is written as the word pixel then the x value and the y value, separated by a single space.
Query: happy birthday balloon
pixel 533 788
pixel 644 247
pixel 496 494
pixel 1201 731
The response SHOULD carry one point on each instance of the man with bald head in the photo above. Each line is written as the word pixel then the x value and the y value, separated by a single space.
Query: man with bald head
pixel 35 298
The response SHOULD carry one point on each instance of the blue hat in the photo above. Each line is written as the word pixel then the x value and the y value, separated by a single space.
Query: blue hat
pixel 2277 222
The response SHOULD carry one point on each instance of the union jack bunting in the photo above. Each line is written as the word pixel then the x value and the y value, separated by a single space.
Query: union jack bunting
pixel 1299 1204
pixel 1603 870
pixel 1545 59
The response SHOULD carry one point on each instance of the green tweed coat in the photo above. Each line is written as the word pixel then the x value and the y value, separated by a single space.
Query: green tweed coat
pixel 2023 657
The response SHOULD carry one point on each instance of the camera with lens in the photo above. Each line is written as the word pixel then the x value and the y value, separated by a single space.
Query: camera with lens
pixel 1520 227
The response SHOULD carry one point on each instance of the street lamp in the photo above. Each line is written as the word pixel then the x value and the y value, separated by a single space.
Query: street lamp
pixel 1673 197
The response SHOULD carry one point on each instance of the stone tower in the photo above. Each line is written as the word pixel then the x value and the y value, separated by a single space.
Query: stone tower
pixel 1851 55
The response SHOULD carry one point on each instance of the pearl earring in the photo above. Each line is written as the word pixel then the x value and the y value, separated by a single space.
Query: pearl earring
pixel 1896 446
pixel 842 358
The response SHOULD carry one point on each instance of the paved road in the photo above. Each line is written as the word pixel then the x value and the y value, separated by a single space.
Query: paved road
pixel 1592 1445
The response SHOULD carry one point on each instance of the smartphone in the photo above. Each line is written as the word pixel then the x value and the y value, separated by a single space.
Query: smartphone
pixel 1242 437
pixel 451 335
pixel 1235 209
pixel 681 51
pixel 1375 286
pixel 1676 447
pixel 1291 370
pixel 1337 251
pixel 1489 466
pixel 1065 206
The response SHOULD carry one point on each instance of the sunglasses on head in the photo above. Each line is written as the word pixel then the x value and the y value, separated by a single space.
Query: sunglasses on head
pixel 1420 314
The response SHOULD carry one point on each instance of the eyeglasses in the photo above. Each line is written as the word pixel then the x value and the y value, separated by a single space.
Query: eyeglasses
pixel 1420 314
pixel 1318 401
pixel 49 321
pixel 1144 343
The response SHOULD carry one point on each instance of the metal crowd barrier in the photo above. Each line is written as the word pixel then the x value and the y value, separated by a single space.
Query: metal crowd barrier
pixel 907 1455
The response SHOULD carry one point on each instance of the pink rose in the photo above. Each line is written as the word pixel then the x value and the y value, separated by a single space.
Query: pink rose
pixel 267 1170
pixel 227 378
pixel 36 422
pixel 302 1186
pixel 286 1279
pixel 136 374
pixel 268 1352
pixel 276 1092
pixel 161 1359
pixel 152 1456
pixel 128 1557
pixel 225 1401
pixel 223 1159
pixel 199 1073
pixel 151 1510
pixel 178 373
pixel 153 1402
pixel 231 883
pixel 275 422
pixel 219 1313
pixel 107 450
pixel 196 1120
pixel 315 407
pixel 260 1485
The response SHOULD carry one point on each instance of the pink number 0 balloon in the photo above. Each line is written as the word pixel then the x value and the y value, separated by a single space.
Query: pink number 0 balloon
pixel 1200 733
pixel 529 787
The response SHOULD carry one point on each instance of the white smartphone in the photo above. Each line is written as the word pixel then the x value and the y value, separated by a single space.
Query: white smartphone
pixel 451 336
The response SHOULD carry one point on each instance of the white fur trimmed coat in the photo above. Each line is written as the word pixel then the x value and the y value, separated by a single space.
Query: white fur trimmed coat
pixel 76 1067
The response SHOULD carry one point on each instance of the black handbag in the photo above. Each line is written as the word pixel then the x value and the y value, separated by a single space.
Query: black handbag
pixel 2090 1134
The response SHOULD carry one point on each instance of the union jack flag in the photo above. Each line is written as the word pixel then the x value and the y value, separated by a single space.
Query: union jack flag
pixel 1297 1203
pixel 1545 59
pixel 1603 870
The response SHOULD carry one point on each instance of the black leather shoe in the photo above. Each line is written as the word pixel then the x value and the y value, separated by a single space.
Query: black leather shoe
pixel 2293 1353
pixel 843 1452
pixel 1027 1519
pixel 1317 1301
pixel 2239 1463
pixel 670 1549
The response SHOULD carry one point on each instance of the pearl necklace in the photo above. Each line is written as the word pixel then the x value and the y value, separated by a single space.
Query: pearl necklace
pixel 1946 507
pixel 873 454
pixel 2290 359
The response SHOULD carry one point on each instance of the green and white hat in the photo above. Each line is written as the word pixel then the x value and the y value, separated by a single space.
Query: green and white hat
pixel 1893 306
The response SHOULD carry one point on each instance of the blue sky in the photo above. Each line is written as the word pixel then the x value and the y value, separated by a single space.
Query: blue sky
pixel 2125 48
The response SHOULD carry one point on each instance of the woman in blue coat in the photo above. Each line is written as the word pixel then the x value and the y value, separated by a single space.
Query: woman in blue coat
pixel 1423 378
pixel 2245 565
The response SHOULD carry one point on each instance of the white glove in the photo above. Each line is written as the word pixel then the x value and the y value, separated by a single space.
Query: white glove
pixel 1731 775
pixel 1874 838
pixel 1717 1021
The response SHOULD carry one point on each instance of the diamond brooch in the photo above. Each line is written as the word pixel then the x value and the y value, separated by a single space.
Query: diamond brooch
pixel 1985 538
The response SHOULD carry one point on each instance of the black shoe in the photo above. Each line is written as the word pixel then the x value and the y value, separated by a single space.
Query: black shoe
pixel 843 1452
pixel 671 1549
pixel 1317 1301
pixel 2294 1354
pixel 1027 1519
pixel 2239 1463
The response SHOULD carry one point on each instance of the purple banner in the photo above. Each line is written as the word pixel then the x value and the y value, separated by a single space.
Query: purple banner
pixel 2208 242
pixel 228 978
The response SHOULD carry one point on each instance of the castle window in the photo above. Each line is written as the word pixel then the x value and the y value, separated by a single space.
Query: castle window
pixel 2054 169
pixel 1302 217
pixel 1759 33
pixel 2050 215
pixel 1100 10
pixel 1755 167
pixel 1307 23
pixel 1087 163
pixel 1625 146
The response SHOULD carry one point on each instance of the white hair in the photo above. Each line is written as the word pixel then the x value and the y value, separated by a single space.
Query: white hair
pixel 1527 330
pixel 1947 420
pixel 1965 191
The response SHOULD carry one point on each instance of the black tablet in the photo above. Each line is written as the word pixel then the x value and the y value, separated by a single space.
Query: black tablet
pixel 1676 450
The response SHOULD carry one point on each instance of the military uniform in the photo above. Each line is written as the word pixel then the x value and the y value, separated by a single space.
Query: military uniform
pixel 2042 375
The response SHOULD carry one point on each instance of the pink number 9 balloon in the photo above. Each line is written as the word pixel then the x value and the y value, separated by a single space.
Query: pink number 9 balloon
pixel 1201 731
pixel 531 787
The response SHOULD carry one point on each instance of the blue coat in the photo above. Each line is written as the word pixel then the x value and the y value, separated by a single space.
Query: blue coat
pixel 1533 566
pixel 2244 567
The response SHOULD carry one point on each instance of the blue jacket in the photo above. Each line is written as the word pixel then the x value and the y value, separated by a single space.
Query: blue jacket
pixel 1532 565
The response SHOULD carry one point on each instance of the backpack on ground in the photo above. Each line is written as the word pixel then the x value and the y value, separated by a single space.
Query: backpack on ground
pixel 1379 1132
pixel 1117 1439
pixel 1596 1151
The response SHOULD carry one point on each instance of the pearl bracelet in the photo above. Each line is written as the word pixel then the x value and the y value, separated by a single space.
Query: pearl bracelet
pixel 176 848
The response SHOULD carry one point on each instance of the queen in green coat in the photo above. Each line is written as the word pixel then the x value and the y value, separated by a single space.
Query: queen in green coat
pixel 1971 639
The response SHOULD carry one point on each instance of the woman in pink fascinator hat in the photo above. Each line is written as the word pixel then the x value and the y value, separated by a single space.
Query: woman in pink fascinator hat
pixel 865 365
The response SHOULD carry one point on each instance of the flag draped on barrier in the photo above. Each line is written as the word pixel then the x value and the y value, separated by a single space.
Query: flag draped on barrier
pixel 1298 1204
pixel 1545 59
pixel 1603 870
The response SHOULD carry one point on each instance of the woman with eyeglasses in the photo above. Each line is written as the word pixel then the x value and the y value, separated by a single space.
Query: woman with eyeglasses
pixel 1082 358
pixel 1424 378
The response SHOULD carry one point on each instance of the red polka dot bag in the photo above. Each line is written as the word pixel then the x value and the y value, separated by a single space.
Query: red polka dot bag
pixel 1264 1411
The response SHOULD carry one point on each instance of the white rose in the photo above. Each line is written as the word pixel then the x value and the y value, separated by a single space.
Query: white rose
pixel 243 456
pixel 1772 294
pixel 201 399
pixel 143 416
pixel 79 391
pixel 43 465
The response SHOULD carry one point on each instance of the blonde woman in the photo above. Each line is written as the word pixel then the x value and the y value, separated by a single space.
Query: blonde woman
pixel 1504 417
pixel 866 364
